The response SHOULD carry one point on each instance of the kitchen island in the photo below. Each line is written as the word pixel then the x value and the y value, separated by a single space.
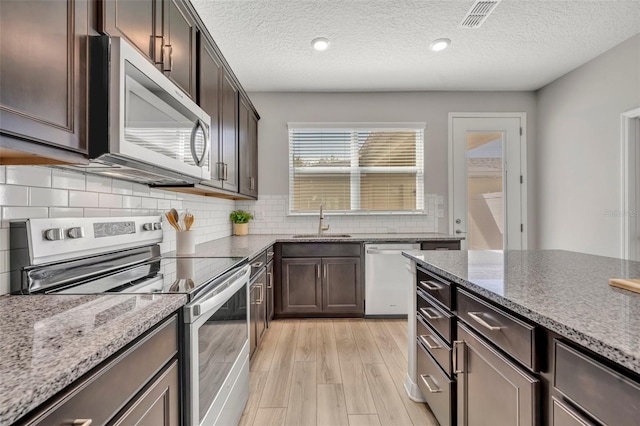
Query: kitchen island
pixel 541 312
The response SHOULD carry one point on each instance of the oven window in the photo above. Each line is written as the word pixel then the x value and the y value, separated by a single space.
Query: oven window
pixel 220 340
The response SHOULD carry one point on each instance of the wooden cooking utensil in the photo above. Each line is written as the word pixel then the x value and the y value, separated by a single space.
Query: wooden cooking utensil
pixel 625 283
pixel 188 220
pixel 173 222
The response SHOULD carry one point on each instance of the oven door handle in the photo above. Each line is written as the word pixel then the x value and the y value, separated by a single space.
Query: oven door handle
pixel 192 312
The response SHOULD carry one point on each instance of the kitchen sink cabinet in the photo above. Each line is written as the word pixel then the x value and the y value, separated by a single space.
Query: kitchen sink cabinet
pixel 43 103
pixel 301 286
pixel 341 289
pixel 319 280
pixel 164 31
pixel 248 149
pixel 139 385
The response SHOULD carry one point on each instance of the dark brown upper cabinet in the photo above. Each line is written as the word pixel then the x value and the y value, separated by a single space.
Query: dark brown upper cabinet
pixel 162 30
pixel 179 51
pixel 248 149
pixel 209 99
pixel 229 137
pixel 43 81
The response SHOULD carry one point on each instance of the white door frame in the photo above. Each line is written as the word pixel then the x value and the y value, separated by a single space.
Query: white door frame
pixel 628 198
pixel 523 163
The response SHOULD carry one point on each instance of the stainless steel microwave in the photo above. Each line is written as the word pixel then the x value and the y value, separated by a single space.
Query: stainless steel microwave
pixel 142 127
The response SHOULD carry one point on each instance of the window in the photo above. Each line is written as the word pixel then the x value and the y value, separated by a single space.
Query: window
pixel 356 169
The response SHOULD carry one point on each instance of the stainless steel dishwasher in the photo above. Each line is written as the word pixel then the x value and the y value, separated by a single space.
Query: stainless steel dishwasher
pixel 387 281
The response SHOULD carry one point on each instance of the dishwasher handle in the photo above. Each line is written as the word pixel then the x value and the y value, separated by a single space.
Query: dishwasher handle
pixel 380 251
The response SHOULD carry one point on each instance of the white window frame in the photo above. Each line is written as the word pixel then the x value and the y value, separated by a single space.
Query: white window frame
pixel 354 170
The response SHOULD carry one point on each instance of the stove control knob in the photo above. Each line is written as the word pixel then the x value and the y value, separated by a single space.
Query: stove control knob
pixel 147 226
pixel 157 226
pixel 54 234
pixel 77 232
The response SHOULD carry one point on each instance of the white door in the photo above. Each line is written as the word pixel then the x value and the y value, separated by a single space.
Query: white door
pixel 487 163
pixel 630 208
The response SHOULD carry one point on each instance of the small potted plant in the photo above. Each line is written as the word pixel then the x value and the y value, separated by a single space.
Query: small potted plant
pixel 240 219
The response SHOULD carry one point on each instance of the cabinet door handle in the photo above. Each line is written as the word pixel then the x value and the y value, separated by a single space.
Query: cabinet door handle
pixel 431 285
pixel 476 317
pixel 318 270
pixel 456 357
pixel 432 388
pixel 425 339
pixel 167 60
pixel 269 280
pixel 257 265
pixel 326 268
pixel 158 42
pixel 226 175
pixel 427 312
pixel 261 297
pixel 82 422
pixel 252 183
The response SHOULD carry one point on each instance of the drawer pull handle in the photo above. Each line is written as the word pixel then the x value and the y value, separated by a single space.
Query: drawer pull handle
pixel 432 389
pixel 476 317
pixel 427 313
pixel 425 339
pixel 81 422
pixel 257 265
pixel 431 285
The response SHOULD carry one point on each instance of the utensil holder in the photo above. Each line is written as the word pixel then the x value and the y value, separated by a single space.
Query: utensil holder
pixel 185 242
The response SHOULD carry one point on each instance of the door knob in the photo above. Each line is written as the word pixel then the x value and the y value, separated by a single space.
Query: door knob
pixel 460 231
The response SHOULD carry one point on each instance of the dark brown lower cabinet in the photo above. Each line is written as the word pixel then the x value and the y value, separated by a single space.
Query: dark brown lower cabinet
pixel 159 405
pixel 564 415
pixel 301 285
pixel 492 390
pixel 257 311
pixel 341 289
pixel 269 296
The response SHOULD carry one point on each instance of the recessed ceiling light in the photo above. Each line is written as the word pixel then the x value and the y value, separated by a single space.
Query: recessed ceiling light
pixel 320 43
pixel 439 44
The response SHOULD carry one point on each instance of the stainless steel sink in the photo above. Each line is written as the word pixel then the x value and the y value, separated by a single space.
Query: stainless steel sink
pixel 322 236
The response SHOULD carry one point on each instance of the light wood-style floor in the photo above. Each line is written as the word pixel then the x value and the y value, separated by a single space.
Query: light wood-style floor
pixel 332 372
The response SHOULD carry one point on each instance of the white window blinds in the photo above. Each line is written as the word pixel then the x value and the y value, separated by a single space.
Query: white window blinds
pixel 356 168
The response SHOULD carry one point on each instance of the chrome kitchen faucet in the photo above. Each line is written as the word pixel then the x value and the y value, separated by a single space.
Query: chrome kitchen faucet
pixel 321 226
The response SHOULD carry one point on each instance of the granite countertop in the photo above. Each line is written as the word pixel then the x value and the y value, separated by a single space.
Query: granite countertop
pixel 48 342
pixel 252 245
pixel 566 292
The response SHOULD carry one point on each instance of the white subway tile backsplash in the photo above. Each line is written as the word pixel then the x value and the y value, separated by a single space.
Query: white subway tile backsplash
pixel 129 202
pixel 66 212
pixel 149 203
pixel 2 174
pixel 110 201
pixel 140 190
pixel 9 213
pixel 11 195
pixel 4 239
pixel 83 199
pixel 122 187
pixel 68 180
pixel 46 197
pixel 97 212
pixel 28 176
pixel 98 184
pixel 4 283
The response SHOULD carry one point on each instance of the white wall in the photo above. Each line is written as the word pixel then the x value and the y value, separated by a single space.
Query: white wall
pixel 32 192
pixel 277 109
pixel 578 138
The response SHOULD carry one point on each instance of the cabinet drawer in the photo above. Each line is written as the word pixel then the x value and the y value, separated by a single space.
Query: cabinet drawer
pixel 437 287
pixel 605 394
pixel 103 394
pixel 440 245
pixel 270 253
pixel 563 415
pixel 321 249
pixel 439 319
pixel 440 351
pixel 510 334
pixel 435 386
pixel 257 263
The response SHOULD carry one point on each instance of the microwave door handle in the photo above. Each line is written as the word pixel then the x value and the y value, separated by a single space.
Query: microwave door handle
pixel 199 124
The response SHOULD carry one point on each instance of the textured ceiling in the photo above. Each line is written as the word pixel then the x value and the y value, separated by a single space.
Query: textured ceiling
pixel 379 45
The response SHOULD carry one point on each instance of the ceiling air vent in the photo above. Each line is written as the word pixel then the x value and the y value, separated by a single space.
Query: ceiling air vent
pixel 478 13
